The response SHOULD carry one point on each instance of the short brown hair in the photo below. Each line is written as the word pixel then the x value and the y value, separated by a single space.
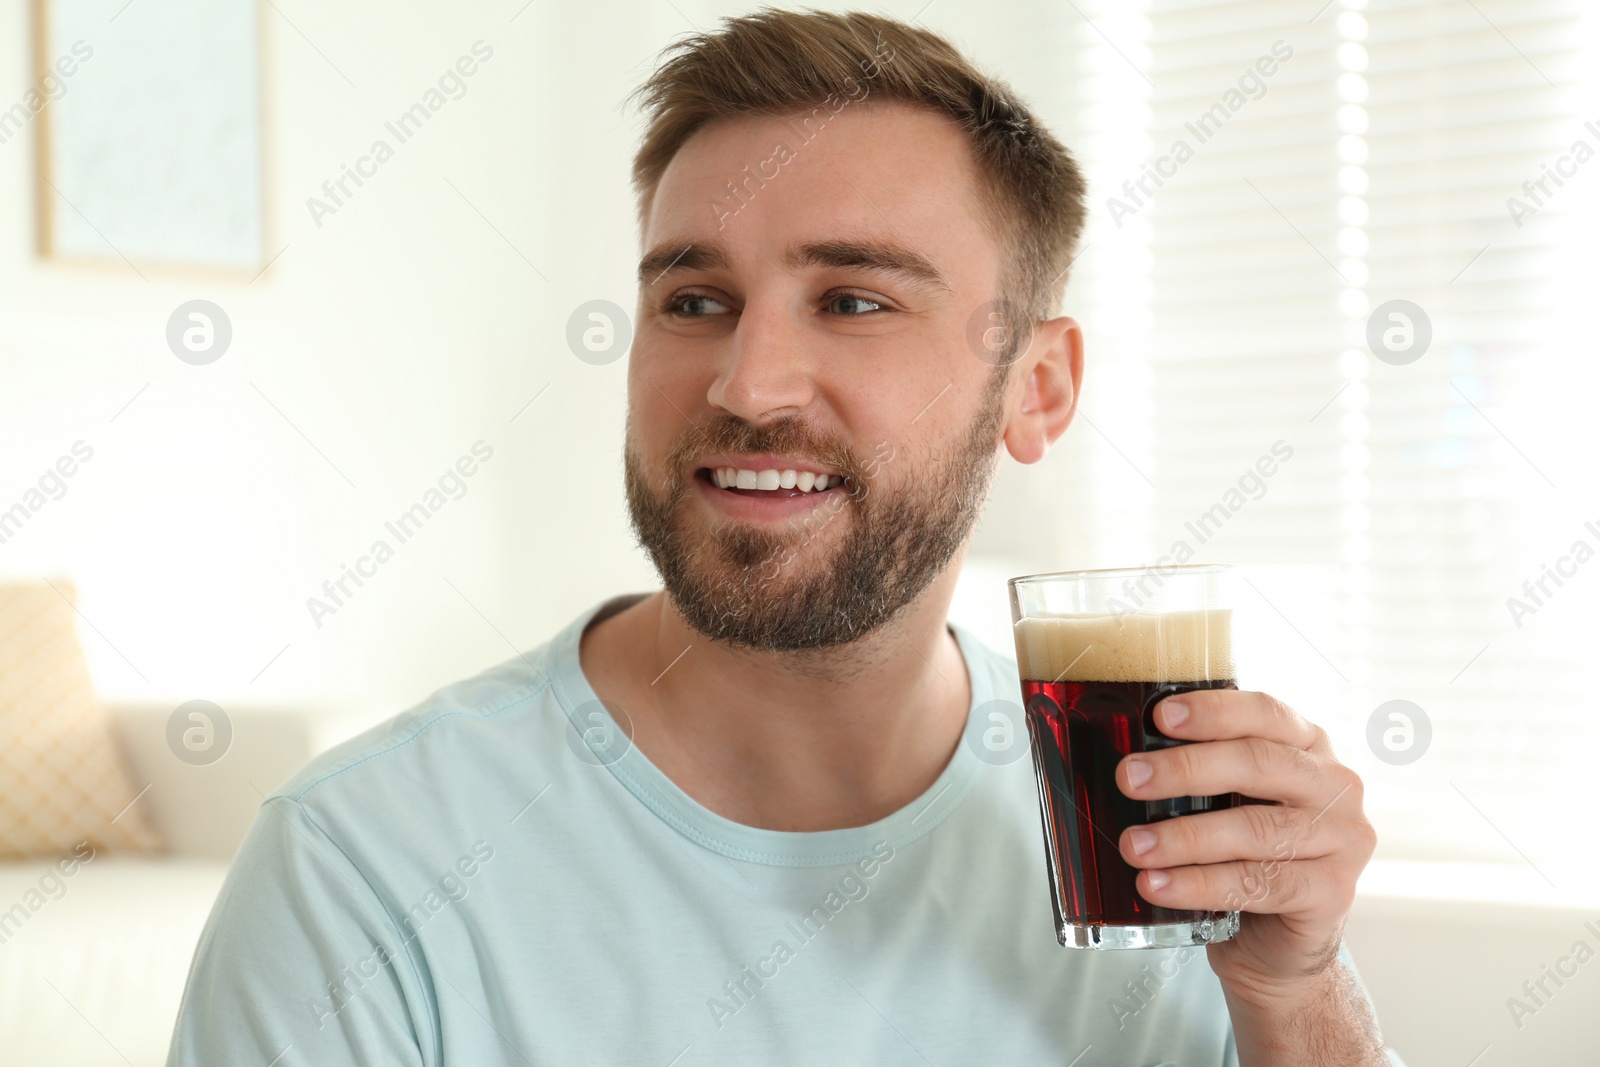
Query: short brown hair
pixel 776 62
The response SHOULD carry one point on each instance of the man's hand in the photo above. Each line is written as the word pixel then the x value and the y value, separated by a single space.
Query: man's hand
pixel 1291 863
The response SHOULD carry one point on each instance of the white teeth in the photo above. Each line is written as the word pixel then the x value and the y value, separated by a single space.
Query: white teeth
pixel 771 478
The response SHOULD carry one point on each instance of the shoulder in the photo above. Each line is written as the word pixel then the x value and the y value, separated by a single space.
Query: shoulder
pixel 467 748
pixel 447 731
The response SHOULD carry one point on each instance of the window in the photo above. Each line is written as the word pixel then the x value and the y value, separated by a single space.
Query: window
pixel 1264 184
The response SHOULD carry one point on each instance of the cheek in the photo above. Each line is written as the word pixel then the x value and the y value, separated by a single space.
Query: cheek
pixel 661 399
pixel 665 369
pixel 889 461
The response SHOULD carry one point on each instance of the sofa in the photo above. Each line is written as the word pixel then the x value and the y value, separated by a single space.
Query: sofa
pixel 95 949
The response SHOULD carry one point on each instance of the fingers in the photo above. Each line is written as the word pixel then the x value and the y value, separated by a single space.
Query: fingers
pixel 1227 714
pixel 1259 832
pixel 1304 888
pixel 1254 766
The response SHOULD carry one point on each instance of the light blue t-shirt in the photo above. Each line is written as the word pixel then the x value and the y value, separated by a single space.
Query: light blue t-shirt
pixel 497 877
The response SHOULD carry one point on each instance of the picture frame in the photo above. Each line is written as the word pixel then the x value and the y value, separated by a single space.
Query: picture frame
pixel 150 126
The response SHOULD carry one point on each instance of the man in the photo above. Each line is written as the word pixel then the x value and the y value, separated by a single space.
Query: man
pixel 734 821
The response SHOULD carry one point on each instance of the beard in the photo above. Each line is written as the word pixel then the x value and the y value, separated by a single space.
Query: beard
pixel 758 589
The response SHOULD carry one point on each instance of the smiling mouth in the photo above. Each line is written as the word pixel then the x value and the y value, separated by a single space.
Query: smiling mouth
pixel 770 482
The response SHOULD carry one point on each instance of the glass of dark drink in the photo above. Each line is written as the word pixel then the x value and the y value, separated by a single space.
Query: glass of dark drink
pixel 1096 651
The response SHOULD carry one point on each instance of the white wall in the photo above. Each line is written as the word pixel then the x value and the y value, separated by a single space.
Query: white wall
pixel 394 336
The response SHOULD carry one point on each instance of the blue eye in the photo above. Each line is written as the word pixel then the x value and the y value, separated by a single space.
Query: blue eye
pixel 860 304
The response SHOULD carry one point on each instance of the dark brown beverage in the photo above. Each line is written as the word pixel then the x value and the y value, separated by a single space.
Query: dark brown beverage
pixel 1080 731
pixel 1090 686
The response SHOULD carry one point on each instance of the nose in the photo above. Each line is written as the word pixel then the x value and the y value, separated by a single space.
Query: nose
pixel 766 370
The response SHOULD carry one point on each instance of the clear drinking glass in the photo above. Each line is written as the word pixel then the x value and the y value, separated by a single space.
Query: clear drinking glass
pixel 1096 650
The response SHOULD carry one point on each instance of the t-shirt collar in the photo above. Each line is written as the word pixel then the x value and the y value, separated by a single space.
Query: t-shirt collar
pixel 634 771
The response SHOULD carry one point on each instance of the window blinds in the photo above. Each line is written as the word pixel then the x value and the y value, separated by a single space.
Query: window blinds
pixel 1267 180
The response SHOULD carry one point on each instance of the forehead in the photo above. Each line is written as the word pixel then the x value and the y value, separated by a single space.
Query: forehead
pixel 885 170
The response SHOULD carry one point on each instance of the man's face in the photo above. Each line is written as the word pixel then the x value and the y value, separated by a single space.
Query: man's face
pixel 816 322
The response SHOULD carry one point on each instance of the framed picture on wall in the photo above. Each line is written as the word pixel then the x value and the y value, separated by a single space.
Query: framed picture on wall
pixel 150 134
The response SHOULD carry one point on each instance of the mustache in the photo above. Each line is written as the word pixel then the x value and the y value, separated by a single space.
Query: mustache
pixel 789 436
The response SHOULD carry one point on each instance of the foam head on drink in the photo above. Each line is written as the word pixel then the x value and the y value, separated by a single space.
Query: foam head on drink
pixel 1090 684
pixel 1131 647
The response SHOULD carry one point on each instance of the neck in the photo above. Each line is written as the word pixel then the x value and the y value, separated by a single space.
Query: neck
pixel 799 741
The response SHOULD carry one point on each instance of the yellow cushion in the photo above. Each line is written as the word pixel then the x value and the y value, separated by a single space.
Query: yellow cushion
pixel 61 782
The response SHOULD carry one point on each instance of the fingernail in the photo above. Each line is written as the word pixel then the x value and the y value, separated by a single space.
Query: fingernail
pixel 1157 879
pixel 1138 773
pixel 1142 841
pixel 1174 712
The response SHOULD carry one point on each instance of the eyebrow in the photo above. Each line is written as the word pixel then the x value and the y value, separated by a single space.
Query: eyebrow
pixel 885 257
pixel 679 256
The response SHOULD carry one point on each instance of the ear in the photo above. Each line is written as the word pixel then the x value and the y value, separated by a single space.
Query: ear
pixel 1044 390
